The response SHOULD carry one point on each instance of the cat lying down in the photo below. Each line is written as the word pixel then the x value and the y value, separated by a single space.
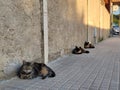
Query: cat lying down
pixel 79 50
pixel 88 45
pixel 30 70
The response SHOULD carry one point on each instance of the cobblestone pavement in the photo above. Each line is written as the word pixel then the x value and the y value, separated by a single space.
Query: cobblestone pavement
pixel 98 70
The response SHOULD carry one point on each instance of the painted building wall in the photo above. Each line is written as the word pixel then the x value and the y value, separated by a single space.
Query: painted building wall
pixel 71 22
pixel 98 21
pixel 66 20
pixel 20 34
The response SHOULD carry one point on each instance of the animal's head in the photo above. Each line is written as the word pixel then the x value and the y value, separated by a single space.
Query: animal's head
pixel 86 43
pixel 27 66
pixel 77 48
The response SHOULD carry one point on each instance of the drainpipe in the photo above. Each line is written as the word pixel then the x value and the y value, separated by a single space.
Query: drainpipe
pixel 87 21
pixel 119 15
pixel 111 17
pixel 45 31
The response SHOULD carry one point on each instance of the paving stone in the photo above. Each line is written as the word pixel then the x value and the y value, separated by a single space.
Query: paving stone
pixel 98 70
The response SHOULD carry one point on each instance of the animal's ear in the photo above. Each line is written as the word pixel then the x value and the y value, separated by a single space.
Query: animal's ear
pixel 76 47
pixel 79 47
pixel 24 62
pixel 87 42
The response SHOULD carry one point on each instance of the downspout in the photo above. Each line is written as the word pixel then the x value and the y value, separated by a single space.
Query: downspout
pixel 87 21
pixel 119 15
pixel 45 30
pixel 111 17
pixel 99 22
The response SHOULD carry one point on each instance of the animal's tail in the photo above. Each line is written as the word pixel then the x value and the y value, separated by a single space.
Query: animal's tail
pixel 87 52
pixel 77 53
pixel 52 74
pixel 93 47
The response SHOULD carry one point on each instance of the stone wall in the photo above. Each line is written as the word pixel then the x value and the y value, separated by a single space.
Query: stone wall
pixel 66 26
pixel 98 21
pixel 20 34
pixel 71 22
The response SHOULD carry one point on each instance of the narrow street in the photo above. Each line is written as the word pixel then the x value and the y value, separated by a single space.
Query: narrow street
pixel 98 70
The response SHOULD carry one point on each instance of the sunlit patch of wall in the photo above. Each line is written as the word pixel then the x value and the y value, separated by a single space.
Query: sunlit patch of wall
pixel 28 5
pixel 75 21
pixel 65 22
pixel 98 21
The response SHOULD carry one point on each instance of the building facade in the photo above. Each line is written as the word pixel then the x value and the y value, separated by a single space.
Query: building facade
pixel 35 30
pixel 74 22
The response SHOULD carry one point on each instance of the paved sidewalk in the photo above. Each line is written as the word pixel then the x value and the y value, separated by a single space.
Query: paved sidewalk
pixel 98 70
